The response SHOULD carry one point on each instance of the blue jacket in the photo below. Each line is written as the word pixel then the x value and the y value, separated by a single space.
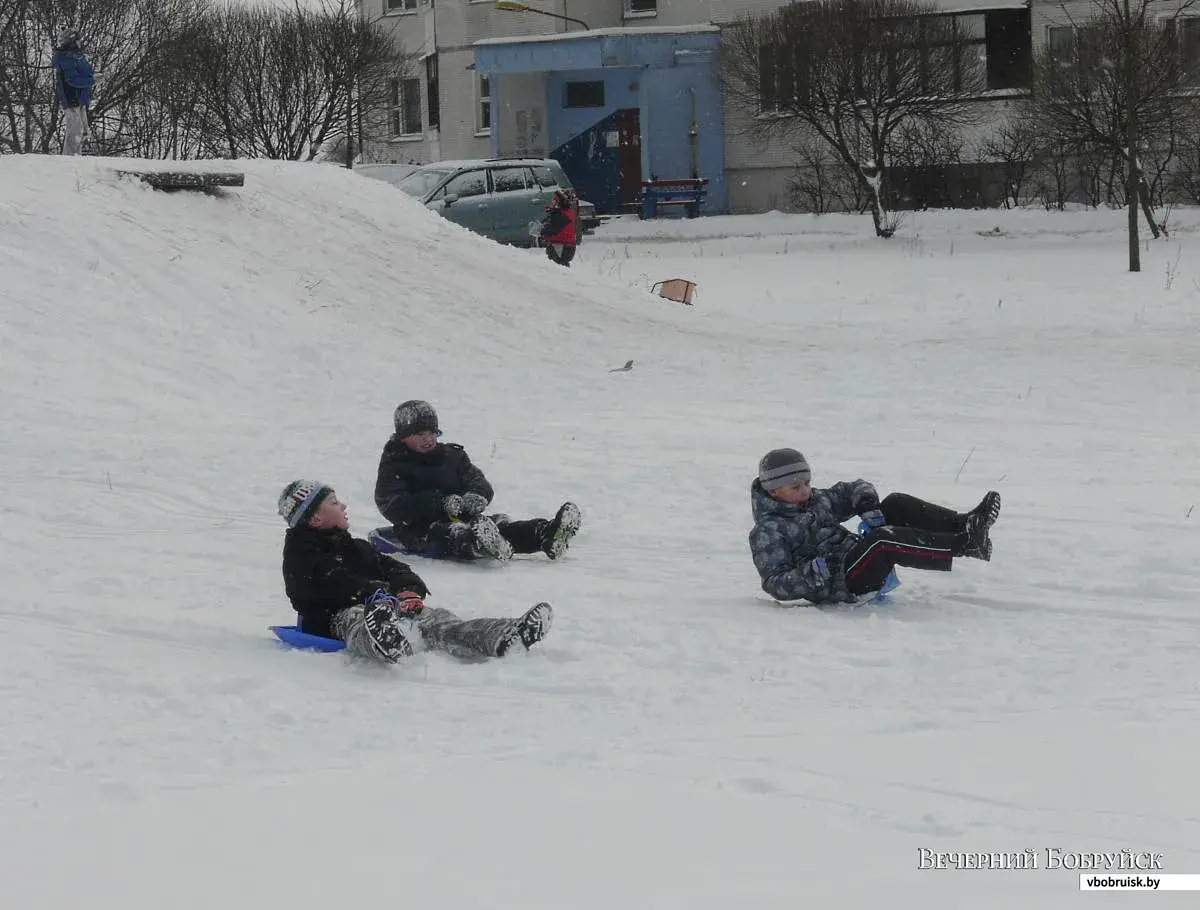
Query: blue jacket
pixel 73 78
pixel 787 538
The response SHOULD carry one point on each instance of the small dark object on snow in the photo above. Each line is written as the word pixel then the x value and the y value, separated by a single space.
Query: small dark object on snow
pixel 187 180
pixel 625 369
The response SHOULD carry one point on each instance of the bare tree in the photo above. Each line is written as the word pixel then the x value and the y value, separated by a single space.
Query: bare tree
pixel 281 83
pixel 1113 92
pixel 1017 146
pixel 123 39
pixel 823 183
pixel 851 73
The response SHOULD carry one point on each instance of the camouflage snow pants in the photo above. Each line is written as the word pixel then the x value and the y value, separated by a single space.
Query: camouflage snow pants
pixel 440 630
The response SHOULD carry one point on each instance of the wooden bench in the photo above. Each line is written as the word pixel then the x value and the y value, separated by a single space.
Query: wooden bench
pixel 689 192
pixel 187 180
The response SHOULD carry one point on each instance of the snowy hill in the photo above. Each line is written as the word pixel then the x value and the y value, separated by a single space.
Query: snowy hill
pixel 170 361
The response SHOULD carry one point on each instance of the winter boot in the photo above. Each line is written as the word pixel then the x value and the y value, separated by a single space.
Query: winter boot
pixel 529 629
pixel 556 535
pixel 989 508
pixel 489 542
pixel 387 639
pixel 977 524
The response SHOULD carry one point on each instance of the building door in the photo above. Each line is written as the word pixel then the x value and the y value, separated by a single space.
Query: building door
pixel 629 155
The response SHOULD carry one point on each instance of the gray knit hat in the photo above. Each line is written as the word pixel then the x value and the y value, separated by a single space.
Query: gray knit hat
pixel 779 467
pixel 300 500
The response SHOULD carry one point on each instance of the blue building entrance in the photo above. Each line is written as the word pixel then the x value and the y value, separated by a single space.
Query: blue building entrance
pixel 613 106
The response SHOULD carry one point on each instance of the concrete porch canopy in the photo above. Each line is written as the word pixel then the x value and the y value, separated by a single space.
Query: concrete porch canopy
pixel 656 46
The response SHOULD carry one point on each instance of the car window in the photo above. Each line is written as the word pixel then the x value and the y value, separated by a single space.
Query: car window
pixel 560 175
pixel 419 183
pixel 545 176
pixel 507 179
pixel 469 183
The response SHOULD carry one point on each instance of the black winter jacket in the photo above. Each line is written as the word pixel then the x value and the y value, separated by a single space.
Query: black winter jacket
pixel 327 570
pixel 410 486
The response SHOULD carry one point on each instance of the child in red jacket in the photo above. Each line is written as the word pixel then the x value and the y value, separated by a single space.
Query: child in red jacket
pixel 559 234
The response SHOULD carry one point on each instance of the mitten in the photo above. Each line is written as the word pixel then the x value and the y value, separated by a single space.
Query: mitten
pixel 409 603
pixel 453 505
pixel 472 506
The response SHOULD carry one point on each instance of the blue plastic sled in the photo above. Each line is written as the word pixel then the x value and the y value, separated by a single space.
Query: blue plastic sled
pixel 891 583
pixel 304 642
pixel 383 541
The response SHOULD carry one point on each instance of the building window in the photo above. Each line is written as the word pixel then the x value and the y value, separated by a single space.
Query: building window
pixel 404 109
pixel 483 111
pixel 432 99
pixel 1189 46
pixel 641 7
pixel 1009 49
pixel 584 94
pixel 399 6
pixel 979 51
pixel 783 78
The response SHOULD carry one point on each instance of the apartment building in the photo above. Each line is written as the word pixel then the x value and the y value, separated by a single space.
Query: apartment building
pixel 623 90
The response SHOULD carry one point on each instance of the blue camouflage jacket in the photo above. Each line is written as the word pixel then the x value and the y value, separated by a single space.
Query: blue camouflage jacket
pixel 786 539
pixel 73 78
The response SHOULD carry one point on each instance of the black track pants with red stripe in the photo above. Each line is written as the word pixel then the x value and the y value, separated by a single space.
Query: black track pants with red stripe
pixel 918 535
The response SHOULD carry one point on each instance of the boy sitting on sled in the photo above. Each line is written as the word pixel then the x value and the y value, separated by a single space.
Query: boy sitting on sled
pixel 343 588
pixel 801 550
pixel 435 498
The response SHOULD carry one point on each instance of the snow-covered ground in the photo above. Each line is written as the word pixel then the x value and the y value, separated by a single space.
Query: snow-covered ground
pixel 170 361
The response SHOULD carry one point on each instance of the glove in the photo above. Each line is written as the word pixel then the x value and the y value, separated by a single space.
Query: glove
pixel 820 567
pixel 453 505
pixel 409 603
pixel 472 506
pixel 873 518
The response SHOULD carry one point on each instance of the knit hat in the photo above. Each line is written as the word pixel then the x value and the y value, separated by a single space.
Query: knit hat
pixel 300 500
pixel 68 37
pixel 780 467
pixel 413 417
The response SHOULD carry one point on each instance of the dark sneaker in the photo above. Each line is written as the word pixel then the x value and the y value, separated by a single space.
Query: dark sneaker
pixel 529 629
pixel 489 542
pixel 979 542
pixel 988 508
pixel 556 536
pixel 387 639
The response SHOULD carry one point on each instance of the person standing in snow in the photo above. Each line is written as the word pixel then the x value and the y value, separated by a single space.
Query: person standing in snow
pixel 435 498
pixel 343 588
pixel 559 232
pixel 73 81
pixel 802 552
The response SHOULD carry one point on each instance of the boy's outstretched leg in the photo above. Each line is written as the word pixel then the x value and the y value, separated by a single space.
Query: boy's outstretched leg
pixel 529 629
pixel 870 561
pixel 540 535
pixel 556 535
pixel 476 638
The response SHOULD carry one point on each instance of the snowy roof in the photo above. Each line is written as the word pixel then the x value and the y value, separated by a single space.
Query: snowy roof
pixel 606 33
pixel 965 6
